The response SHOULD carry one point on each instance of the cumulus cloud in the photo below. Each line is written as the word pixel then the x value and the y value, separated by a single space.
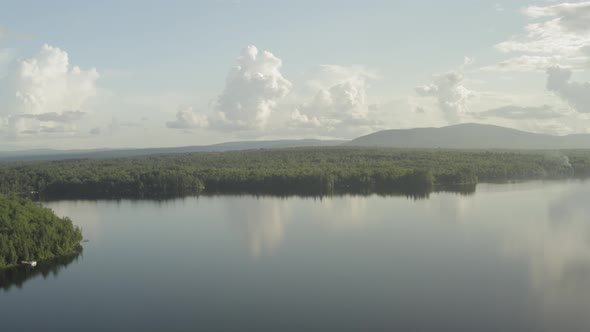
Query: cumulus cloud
pixel 45 88
pixel 450 93
pixel 252 90
pixel 346 99
pixel 576 94
pixel 559 31
pixel 188 119
pixel 340 102
pixel 519 113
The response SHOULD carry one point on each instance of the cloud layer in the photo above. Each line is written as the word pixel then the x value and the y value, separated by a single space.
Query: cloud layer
pixel 558 34
pixel 65 116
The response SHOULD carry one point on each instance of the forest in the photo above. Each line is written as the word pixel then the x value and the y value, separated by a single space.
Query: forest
pixel 299 171
pixel 31 232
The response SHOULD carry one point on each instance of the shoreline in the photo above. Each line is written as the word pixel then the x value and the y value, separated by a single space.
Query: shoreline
pixel 75 251
pixel 464 189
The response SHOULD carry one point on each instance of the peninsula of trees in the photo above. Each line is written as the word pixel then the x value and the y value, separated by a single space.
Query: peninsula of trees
pixel 30 232
pixel 303 171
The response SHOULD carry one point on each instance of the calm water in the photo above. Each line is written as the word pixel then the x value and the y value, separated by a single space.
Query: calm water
pixel 508 258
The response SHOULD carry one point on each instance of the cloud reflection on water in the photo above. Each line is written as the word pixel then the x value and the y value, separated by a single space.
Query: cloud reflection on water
pixel 556 247
pixel 260 223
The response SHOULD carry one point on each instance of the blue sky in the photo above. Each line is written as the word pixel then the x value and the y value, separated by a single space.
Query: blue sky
pixel 338 69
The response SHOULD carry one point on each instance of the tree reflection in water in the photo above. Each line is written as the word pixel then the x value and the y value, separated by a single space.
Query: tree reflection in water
pixel 17 276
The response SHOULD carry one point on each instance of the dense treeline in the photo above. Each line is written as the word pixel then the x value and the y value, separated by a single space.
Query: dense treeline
pixel 314 171
pixel 30 232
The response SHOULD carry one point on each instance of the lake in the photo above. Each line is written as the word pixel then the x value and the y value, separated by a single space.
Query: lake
pixel 511 257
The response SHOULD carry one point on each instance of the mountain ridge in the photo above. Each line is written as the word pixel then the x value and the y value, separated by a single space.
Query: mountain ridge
pixel 471 136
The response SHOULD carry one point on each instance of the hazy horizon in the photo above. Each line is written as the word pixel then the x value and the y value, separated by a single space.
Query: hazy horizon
pixel 184 73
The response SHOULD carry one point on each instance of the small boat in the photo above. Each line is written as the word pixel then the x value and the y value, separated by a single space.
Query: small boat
pixel 31 263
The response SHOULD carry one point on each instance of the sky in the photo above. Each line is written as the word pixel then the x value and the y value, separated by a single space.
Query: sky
pixel 124 74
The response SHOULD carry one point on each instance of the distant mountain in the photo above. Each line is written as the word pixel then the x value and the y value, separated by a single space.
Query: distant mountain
pixel 49 154
pixel 463 136
pixel 471 136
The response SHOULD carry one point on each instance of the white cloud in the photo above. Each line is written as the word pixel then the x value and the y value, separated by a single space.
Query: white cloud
pixel 45 88
pixel 557 32
pixel 346 99
pixel 576 94
pixel 548 37
pixel 252 91
pixel 450 93
pixel 188 119
pixel 340 102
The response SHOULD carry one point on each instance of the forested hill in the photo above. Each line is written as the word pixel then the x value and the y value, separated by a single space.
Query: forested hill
pixel 305 171
pixel 30 232
pixel 471 136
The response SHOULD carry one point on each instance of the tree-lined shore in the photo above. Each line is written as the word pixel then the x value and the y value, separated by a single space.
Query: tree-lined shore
pixel 30 232
pixel 305 171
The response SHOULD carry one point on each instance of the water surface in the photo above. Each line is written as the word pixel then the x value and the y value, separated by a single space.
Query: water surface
pixel 511 257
